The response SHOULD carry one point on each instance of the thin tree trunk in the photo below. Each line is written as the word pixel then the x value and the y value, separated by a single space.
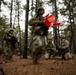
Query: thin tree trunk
pixel 19 25
pixel 56 31
pixel 36 6
pixel 0 8
pixel 14 21
pixel 11 13
pixel 32 9
pixel 74 48
pixel 72 32
pixel 26 31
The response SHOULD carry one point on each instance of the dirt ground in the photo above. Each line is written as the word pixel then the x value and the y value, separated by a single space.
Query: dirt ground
pixel 20 66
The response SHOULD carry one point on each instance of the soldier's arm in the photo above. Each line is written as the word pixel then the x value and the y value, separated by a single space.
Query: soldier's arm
pixel 66 44
pixel 33 21
pixel 6 37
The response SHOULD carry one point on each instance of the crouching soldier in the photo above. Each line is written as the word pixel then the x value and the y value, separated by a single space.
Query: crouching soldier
pixel 9 43
pixel 64 48
pixel 51 49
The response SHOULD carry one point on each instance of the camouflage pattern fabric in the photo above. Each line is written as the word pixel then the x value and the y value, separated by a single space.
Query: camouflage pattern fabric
pixel 9 51
pixel 9 45
pixel 64 47
pixel 38 46
pixel 51 49
pixel 38 39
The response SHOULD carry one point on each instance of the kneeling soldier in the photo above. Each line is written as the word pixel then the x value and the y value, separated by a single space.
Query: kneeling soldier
pixel 51 49
pixel 64 46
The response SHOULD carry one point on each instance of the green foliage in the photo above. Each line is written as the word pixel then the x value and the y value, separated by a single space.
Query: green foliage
pixel 3 28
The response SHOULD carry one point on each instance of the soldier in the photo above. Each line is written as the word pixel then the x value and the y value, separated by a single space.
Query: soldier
pixel 64 46
pixel 9 43
pixel 39 33
pixel 51 49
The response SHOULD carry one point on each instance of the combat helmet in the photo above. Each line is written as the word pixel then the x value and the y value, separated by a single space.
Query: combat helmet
pixel 10 29
pixel 39 9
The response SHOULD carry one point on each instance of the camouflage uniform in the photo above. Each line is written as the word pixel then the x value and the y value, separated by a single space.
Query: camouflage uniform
pixel 9 44
pixel 64 46
pixel 38 37
pixel 51 48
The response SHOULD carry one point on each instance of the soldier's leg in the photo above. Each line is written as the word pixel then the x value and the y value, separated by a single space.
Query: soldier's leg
pixel 9 57
pixel 55 53
pixel 62 54
pixel 34 56
pixel 7 52
pixel 37 45
pixel 10 52
pixel 37 55
pixel 50 53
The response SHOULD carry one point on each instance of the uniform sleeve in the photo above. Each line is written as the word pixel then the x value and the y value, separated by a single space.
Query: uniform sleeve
pixel 33 21
pixel 66 44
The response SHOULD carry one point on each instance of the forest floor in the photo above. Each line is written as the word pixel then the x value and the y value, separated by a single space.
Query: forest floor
pixel 20 66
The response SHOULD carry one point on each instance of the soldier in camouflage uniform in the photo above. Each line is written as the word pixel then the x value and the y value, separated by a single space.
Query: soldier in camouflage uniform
pixel 9 43
pixel 64 46
pixel 51 49
pixel 39 33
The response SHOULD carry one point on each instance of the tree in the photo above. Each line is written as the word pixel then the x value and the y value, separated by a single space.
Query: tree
pixel 11 9
pixel 18 17
pixel 26 30
pixel 2 2
pixel 3 27
pixel 69 11
pixel 56 30
pixel 55 12
pixel 32 7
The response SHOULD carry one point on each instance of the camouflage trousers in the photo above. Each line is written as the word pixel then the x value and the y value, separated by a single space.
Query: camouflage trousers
pixel 51 53
pixel 62 52
pixel 38 46
pixel 8 51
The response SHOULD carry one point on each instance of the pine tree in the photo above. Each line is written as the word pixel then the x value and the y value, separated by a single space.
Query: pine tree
pixel 70 12
pixel 26 30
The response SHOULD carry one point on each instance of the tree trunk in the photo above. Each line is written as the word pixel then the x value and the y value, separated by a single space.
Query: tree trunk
pixel 71 17
pixel 55 29
pixel 11 13
pixel 32 8
pixel 0 8
pixel 19 25
pixel 36 6
pixel 26 31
